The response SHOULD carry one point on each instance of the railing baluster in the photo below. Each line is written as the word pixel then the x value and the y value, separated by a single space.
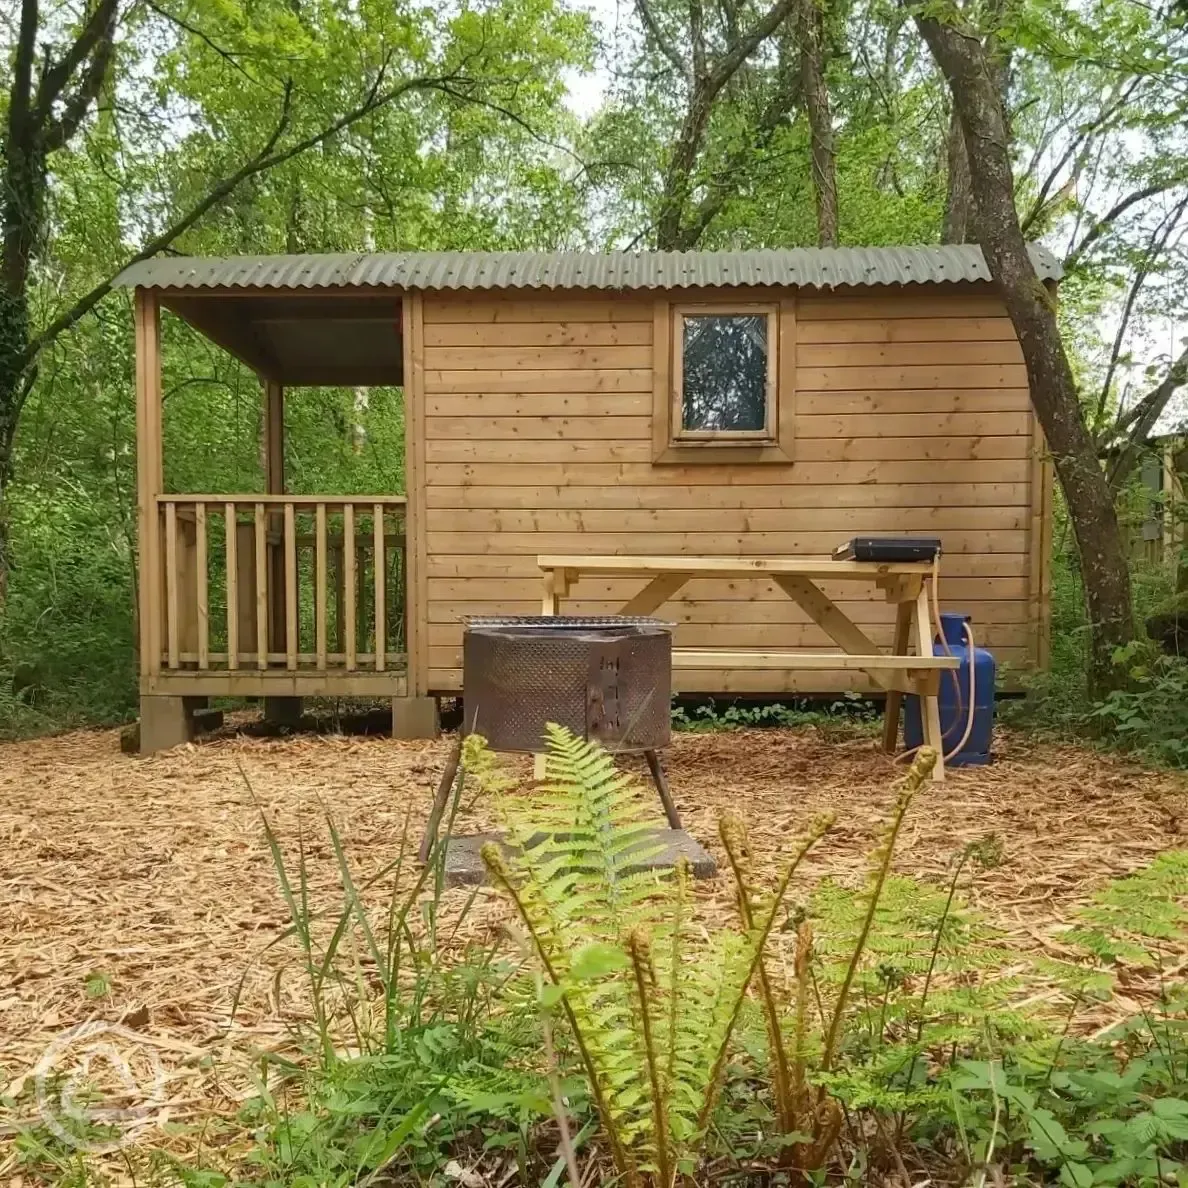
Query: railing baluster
pixel 202 603
pixel 336 571
pixel 320 585
pixel 231 545
pixel 291 623
pixel 171 607
pixel 377 528
pixel 261 590
pixel 348 577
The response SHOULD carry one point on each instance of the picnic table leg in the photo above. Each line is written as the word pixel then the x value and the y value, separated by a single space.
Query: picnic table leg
pixel 894 702
pixel 655 594
pixel 550 603
pixel 929 686
pixel 555 587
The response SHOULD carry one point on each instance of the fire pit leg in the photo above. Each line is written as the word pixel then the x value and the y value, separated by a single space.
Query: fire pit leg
pixel 674 819
pixel 440 800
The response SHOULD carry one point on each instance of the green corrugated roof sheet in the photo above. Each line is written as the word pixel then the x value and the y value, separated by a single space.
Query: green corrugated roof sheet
pixel 811 267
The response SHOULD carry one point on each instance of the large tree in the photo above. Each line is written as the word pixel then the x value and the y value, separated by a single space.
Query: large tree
pixel 705 101
pixel 974 82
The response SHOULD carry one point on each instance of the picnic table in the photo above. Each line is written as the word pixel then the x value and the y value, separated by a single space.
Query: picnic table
pixel 906 584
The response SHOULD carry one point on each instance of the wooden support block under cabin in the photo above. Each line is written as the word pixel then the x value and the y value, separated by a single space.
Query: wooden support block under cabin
pixel 415 717
pixel 283 711
pixel 164 722
pixel 205 720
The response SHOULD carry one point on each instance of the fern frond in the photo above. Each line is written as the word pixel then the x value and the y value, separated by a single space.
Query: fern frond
pixel 1131 918
pixel 639 949
pixel 920 770
pixel 540 933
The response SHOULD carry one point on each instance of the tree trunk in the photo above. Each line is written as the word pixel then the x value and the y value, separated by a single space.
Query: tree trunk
pixel 958 200
pixel 811 31
pixel 673 232
pixel 972 79
pixel 15 382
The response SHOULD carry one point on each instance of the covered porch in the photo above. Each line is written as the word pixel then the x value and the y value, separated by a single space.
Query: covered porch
pixel 266 593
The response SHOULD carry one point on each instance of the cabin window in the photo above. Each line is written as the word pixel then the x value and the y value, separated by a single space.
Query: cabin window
pixel 727 392
pixel 725 371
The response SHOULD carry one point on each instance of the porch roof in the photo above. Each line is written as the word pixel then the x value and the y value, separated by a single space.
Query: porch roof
pixel 302 339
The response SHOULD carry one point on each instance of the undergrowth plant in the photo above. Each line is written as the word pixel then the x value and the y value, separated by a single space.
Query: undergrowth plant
pixel 1111 1110
pixel 809 1023
pixel 651 996
pixel 932 982
pixel 1148 716
pixel 404 1057
pixel 1133 919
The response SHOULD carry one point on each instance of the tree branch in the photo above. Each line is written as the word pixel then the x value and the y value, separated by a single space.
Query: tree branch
pixel 697 39
pixel 59 131
pixel 1156 244
pixel 267 158
pixel 21 91
pixel 663 44
pixel 783 99
pixel 98 29
pixel 1144 415
pixel 18 186
pixel 1076 148
pixel 810 27
pixel 670 234
pixel 742 49
pixel 1103 225
pixel 230 58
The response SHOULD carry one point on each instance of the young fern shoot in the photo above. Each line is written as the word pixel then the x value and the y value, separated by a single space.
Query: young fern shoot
pixel 812 1116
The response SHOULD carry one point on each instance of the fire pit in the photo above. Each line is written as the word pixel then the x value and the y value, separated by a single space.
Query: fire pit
pixel 608 679
pixel 604 678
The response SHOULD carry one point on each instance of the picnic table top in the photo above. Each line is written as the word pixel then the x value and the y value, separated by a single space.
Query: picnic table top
pixel 810 567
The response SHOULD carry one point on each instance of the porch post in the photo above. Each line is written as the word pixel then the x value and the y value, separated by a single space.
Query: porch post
pixel 164 721
pixel 415 714
pixel 149 478
pixel 283 711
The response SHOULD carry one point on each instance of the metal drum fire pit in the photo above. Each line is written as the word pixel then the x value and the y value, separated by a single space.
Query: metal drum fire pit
pixel 608 679
pixel 605 678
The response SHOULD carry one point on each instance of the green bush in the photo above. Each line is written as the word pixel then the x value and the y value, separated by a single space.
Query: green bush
pixel 1150 716
pixel 66 631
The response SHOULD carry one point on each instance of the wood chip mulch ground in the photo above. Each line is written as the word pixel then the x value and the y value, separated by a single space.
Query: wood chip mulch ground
pixel 143 891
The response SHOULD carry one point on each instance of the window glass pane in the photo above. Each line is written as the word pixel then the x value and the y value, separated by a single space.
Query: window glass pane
pixel 725 372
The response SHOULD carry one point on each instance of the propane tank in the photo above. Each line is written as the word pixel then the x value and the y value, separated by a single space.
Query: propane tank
pixel 953 698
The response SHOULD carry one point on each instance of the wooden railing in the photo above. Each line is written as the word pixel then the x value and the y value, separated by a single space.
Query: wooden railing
pixel 310 583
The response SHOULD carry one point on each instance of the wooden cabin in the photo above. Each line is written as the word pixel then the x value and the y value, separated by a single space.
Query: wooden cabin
pixel 766 403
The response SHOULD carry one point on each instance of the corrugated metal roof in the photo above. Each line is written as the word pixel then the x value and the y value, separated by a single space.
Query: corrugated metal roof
pixel 811 267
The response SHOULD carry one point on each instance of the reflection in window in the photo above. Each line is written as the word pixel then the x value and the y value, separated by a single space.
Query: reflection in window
pixel 725 373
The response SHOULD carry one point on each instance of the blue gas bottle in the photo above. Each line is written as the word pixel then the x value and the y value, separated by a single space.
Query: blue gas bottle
pixel 954 698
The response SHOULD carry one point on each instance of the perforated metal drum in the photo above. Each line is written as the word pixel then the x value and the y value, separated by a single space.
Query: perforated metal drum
pixel 605 678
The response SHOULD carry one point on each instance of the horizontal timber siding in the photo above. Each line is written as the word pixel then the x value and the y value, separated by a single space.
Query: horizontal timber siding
pixel 912 416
